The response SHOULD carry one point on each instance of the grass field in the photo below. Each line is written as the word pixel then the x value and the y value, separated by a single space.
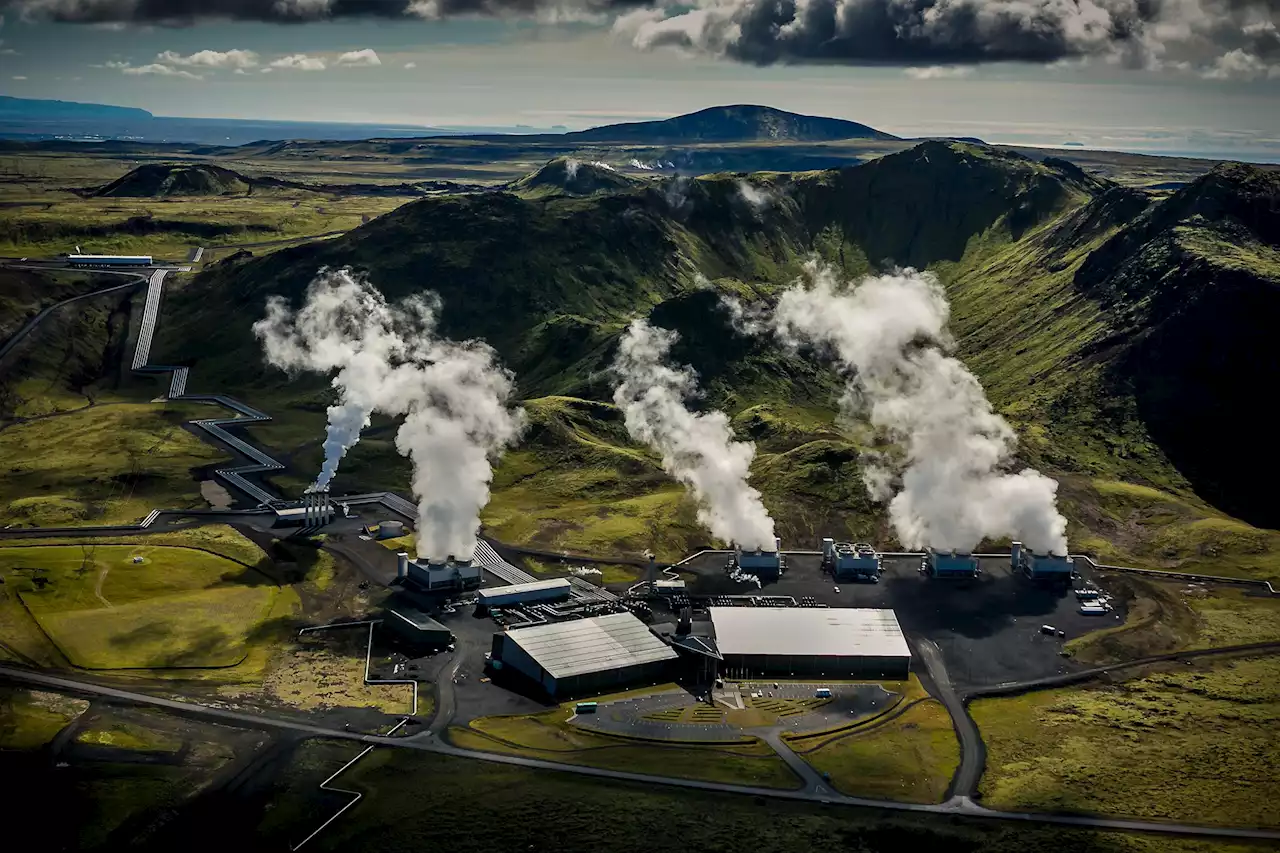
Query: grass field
pixel 210 628
pixel 548 736
pixel 125 735
pixel 909 757
pixel 512 808
pixel 1195 744
pixel 30 718
pixel 124 606
pixel 104 465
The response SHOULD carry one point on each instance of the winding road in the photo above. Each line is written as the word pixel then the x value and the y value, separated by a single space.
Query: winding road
pixel 18 336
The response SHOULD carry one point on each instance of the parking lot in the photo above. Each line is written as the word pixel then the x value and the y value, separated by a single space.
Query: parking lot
pixel 989 628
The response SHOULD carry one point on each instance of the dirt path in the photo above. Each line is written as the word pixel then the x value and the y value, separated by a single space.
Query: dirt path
pixel 97 588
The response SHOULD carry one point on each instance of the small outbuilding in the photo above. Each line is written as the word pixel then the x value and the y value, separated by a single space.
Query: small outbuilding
pixel 412 624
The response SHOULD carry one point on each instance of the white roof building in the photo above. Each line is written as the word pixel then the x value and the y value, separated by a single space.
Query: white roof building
pixel 584 653
pixel 811 640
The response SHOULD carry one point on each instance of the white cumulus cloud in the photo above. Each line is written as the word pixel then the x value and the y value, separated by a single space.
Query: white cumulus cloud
pixel 366 57
pixel 211 59
pixel 155 69
pixel 938 72
pixel 298 62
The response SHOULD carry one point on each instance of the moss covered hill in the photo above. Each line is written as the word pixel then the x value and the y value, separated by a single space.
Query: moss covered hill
pixel 551 282
pixel 568 176
pixel 163 180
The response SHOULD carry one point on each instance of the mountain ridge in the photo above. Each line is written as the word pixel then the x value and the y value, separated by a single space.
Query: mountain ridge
pixel 732 123
pixel 551 281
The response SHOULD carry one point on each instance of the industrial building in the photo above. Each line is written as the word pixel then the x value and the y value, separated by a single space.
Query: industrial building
pixel 452 575
pixel 836 642
pixel 109 260
pixel 766 565
pixel 584 655
pixel 314 510
pixel 944 564
pixel 847 561
pixel 1042 566
pixel 555 589
pixel 409 622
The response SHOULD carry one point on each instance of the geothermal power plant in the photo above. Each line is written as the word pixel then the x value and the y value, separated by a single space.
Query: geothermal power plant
pixel 753 610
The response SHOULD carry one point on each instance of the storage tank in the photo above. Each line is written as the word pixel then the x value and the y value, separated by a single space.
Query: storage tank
pixel 390 529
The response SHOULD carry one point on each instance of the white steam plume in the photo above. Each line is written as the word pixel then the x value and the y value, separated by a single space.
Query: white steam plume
pixel 952 484
pixel 698 449
pixel 391 359
pixel 758 198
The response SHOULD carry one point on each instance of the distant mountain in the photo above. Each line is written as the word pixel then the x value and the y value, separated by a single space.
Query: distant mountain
pixel 31 109
pixel 738 123
pixel 162 180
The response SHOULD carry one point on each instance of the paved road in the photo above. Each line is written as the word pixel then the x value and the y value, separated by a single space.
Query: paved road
pixel 279 242
pixel 433 744
pixel 973 752
pixel 813 781
pixel 19 335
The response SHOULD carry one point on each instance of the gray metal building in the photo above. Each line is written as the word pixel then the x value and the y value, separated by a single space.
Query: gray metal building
pixel 553 589
pixel 835 642
pixel 585 656
pixel 408 621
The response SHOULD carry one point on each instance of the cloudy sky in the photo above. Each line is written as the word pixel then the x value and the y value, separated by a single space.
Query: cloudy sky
pixel 1171 75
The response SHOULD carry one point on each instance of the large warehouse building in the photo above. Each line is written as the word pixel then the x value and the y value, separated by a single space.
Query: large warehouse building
pixel 585 655
pixel 835 642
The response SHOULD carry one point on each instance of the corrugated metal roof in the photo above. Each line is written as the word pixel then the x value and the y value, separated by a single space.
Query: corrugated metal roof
pixel 566 649
pixel 522 588
pixel 821 631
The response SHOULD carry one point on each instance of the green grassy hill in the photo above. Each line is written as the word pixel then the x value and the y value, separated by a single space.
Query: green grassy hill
pixel 165 180
pixel 1050 273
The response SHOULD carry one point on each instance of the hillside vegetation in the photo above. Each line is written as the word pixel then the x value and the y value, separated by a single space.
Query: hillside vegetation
pixel 164 180
pixel 1043 264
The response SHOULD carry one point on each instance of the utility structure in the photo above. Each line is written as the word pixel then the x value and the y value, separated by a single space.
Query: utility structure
pixel 317 508
pixel 434 576
pixel 1052 567
pixel 950 564
pixel 765 565
pixel 851 561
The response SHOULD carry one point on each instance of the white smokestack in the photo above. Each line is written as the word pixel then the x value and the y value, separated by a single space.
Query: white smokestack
pixel 391 359
pixel 697 449
pixel 950 487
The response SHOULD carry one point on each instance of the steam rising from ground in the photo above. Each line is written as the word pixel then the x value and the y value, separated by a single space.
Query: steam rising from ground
pixel 757 197
pixel 697 448
pixel 390 358
pixel 950 487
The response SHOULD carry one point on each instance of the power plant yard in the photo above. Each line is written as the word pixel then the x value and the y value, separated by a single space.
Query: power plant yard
pixel 373 537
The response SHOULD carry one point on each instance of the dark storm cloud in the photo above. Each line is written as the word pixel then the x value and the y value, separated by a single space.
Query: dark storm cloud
pixel 1190 34
pixel 1216 38
pixel 178 12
